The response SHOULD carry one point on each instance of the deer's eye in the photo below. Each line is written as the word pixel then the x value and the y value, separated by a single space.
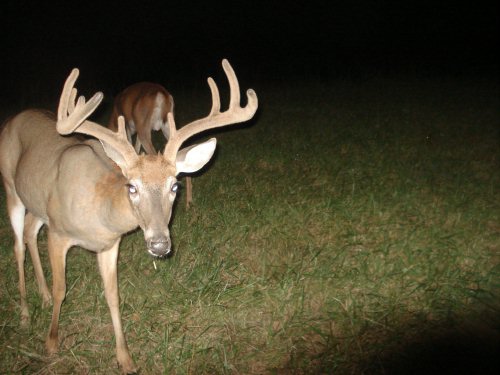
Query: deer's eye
pixel 175 187
pixel 132 189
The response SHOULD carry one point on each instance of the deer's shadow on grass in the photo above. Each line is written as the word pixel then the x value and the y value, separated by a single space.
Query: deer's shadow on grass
pixel 468 347
pixel 451 352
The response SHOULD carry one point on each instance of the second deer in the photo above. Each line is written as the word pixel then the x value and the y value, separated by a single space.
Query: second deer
pixel 145 106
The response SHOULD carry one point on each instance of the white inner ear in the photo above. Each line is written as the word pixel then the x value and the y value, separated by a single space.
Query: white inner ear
pixel 192 158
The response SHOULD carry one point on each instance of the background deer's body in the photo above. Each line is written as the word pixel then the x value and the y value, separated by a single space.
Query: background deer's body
pixel 90 192
pixel 145 106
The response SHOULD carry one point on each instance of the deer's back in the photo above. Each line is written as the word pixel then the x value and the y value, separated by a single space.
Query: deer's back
pixel 38 162
pixel 137 101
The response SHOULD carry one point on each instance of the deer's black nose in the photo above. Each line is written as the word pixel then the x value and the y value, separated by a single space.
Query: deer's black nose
pixel 159 247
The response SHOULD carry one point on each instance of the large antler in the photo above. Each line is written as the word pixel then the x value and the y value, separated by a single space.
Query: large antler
pixel 235 113
pixel 72 117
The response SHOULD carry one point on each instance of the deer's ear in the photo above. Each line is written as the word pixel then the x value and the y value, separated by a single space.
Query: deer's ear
pixel 193 158
pixel 116 156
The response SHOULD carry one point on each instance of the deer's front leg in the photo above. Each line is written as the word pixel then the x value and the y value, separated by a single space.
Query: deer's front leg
pixel 108 268
pixel 58 248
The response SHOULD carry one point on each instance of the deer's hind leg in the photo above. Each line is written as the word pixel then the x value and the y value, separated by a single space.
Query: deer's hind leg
pixel 32 226
pixel 17 212
pixel 144 139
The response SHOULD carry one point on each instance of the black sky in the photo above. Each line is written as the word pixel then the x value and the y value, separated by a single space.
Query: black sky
pixel 118 43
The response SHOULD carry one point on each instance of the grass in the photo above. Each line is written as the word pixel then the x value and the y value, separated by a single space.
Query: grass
pixel 354 228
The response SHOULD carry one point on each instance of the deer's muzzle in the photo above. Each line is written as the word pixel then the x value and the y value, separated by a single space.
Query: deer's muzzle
pixel 159 247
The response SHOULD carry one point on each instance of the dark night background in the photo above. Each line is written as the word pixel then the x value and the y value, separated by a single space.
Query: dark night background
pixel 180 43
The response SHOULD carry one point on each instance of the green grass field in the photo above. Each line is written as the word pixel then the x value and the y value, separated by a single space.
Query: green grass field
pixel 352 228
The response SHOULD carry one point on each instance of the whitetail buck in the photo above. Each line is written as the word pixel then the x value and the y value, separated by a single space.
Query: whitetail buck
pixel 90 192
pixel 145 107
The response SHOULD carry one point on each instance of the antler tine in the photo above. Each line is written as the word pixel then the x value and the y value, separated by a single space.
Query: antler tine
pixel 234 86
pixel 68 95
pixel 215 96
pixel 235 113
pixel 69 114
pixel 72 117
pixel 72 98
pixel 172 129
